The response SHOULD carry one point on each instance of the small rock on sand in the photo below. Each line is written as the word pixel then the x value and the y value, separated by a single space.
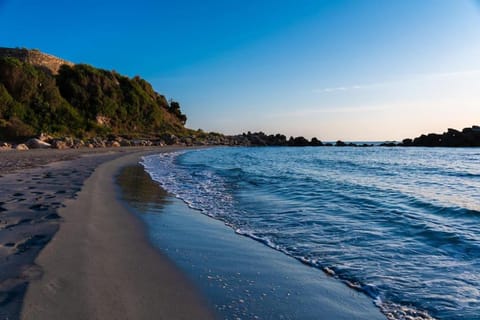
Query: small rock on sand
pixel 21 147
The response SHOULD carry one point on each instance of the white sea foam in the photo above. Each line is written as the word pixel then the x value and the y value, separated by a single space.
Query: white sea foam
pixel 200 190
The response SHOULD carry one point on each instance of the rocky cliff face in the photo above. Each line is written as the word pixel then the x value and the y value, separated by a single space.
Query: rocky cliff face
pixel 35 57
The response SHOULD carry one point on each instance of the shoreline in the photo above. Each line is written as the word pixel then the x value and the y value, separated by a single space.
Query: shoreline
pixel 100 264
pixel 241 277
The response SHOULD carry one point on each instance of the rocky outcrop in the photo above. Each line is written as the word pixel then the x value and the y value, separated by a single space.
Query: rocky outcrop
pixel 468 137
pixel 36 58
pixel 261 139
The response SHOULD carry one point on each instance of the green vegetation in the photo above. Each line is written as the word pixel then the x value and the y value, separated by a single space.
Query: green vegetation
pixel 81 101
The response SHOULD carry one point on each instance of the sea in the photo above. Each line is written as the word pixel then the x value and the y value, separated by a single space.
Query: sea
pixel 401 225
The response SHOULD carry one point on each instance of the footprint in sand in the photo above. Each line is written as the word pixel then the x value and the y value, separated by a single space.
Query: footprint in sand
pixel 52 216
pixel 35 240
pixel 20 222
pixel 13 200
pixel 56 284
pixel 39 207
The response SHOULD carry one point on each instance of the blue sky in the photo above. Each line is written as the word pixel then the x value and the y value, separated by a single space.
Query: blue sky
pixel 340 69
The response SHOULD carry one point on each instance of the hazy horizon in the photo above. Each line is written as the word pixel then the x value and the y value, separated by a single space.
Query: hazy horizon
pixel 349 70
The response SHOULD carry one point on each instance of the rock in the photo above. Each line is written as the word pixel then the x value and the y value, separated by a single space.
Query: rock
pixel 103 121
pixel 68 142
pixel 90 146
pixel 115 144
pixel 298 142
pixel 97 143
pixel 388 144
pixel 5 146
pixel 78 143
pixel 21 147
pixel 45 137
pixel 315 142
pixel 58 144
pixel 171 139
pixel 125 143
pixel 37 144
pixel 188 141
pixel 468 137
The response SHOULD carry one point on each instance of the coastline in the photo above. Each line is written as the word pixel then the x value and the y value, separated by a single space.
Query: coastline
pixel 100 264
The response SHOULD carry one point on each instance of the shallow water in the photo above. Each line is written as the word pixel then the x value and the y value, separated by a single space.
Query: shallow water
pixel 400 224
pixel 238 277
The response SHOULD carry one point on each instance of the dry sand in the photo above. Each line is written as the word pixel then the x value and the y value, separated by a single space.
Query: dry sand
pixel 100 264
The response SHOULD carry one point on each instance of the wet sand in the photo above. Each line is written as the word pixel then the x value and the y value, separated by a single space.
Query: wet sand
pixel 100 265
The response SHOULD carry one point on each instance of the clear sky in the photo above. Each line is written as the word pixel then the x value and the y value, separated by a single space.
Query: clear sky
pixel 339 69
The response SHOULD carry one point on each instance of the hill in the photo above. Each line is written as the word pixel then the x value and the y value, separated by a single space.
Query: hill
pixel 43 93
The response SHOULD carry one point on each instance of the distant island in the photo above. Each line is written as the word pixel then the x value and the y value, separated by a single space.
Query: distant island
pixel 49 102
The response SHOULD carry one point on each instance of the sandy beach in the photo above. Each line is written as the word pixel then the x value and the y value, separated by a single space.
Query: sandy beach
pixel 72 249
pixel 100 265
pixel 73 278
pixel 34 185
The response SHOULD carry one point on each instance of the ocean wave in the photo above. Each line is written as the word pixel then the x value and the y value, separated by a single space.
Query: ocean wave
pixel 389 225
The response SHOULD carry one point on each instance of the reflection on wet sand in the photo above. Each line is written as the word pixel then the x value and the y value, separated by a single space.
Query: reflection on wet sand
pixel 140 191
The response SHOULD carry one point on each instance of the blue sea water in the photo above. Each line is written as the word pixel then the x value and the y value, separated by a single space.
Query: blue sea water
pixel 400 224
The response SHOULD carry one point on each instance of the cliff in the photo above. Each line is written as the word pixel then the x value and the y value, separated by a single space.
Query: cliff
pixel 36 58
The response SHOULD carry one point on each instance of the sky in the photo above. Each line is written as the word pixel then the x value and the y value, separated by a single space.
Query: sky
pixel 356 70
